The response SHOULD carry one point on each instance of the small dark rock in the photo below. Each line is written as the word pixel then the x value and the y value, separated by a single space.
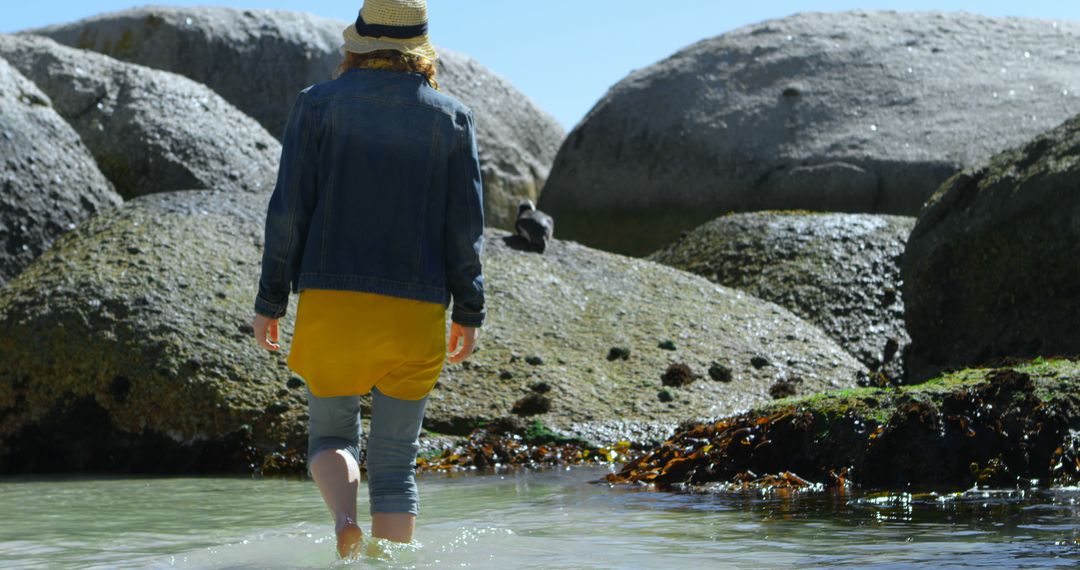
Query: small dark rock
pixel 277 408
pixel 294 382
pixel 873 379
pixel 785 388
pixel 540 387
pixel 506 375
pixel 119 388
pixel 720 373
pixel 532 405
pixel 194 363
pixel 665 395
pixel 677 375
pixel 666 345
pixel 246 328
pixel 759 362
pixel 618 353
pixel 534 360
pixel 505 425
pixel 891 348
pixel 221 295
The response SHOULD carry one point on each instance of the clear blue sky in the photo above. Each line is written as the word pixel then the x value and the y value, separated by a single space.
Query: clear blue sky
pixel 564 54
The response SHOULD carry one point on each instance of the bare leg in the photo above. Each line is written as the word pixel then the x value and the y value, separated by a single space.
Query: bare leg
pixel 397 527
pixel 338 477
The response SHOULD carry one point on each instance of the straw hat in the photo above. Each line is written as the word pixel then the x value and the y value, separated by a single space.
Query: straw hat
pixel 391 24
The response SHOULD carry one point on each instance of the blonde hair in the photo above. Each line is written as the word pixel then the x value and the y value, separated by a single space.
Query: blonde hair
pixel 391 59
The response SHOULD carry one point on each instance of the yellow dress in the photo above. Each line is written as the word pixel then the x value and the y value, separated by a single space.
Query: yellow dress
pixel 346 342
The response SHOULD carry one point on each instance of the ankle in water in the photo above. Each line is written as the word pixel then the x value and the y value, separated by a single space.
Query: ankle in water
pixel 349 538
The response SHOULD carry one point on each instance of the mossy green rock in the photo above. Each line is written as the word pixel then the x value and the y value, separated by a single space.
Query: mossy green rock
pixel 128 345
pixel 838 271
pixel 1007 427
pixel 991 270
pixel 149 130
pixel 48 180
pixel 131 342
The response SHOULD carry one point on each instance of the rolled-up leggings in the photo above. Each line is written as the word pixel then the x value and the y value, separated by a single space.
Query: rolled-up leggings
pixel 334 423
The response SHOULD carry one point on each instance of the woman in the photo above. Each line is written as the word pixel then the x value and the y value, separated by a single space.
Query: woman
pixel 377 222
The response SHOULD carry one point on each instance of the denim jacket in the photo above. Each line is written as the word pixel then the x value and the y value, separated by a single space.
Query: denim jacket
pixel 379 191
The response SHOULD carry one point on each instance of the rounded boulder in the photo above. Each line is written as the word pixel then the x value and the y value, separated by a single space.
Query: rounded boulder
pixel 856 112
pixel 990 272
pixel 553 319
pixel 129 345
pixel 49 183
pixel 838 271
pixel 149 130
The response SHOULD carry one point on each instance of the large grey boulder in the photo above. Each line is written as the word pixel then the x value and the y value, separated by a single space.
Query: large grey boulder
pixel 131 338
pixel 149 130
pixel 990 270
pixel 864 112
pixel 555 318
pixel 259 59
pixel 517 141
pixel 838 271
pixel 48 180
pixel 129 342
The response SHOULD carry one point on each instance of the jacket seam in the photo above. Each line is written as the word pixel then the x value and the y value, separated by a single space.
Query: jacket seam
pixel 327 206
pixel 466 156
pixel 366 283
pixel 296 161
pixel 426 196
pixel 329 98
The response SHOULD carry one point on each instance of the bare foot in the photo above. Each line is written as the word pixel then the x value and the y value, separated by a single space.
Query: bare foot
pixel 349 538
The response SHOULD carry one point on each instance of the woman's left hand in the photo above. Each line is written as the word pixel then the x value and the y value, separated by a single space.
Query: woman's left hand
pixel 265 326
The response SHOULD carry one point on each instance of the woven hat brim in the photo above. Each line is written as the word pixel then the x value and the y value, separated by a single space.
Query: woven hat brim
pixel 419 45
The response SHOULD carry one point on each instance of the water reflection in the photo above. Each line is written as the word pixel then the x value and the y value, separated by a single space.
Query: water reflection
pixel 531 520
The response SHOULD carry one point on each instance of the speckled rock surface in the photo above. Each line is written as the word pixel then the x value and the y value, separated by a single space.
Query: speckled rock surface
pixel 130 342
pixel 48 180
pixel 863 112
pixel 572 304
pixel 131 338
pixel 838 271
pixel 259 59
pixel 150 131
pixel 991 267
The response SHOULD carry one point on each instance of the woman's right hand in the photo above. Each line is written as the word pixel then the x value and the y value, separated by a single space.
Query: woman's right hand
pixel 467 335
pixel 266 327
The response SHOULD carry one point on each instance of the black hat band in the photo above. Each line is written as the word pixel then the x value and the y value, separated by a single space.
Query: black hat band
pixel 397 32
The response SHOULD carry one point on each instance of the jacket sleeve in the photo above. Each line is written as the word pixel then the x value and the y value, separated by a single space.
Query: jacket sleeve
pixel 288 214
pixel 464 239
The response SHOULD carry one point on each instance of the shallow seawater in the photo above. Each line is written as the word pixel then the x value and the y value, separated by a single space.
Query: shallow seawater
pixel 540 519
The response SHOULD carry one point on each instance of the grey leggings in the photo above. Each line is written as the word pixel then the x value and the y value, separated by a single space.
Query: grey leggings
pixel 391 446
